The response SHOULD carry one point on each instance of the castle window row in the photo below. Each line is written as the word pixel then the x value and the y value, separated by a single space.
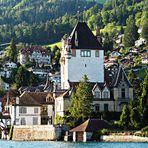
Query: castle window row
pixel 86 53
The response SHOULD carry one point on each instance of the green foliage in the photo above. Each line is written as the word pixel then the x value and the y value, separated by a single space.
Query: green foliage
pixel 58 119
pixel 13 51
pixel 81 103
pixel 130 33
pixel 125 118
pixel 131 76
pixel 24 78
pixel 145 29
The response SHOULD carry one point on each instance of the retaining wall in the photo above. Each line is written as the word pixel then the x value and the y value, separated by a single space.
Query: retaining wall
pixel 127 138
pixel 36 132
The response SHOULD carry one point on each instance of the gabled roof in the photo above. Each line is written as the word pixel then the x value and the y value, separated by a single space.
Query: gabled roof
pixel 35 98
pixel 92 125
pixel 27 100
pixel 85 38
pixel 120 75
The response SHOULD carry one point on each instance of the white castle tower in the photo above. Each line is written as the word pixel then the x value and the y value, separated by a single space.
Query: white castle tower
pixel 81 55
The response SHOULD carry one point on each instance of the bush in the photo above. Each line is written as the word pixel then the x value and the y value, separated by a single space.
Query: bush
pixel 145 129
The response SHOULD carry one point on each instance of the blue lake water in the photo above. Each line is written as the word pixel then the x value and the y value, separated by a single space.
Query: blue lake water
pixel 49 144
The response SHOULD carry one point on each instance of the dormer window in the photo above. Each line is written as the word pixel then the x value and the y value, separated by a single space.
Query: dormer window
pixel 97 94
pixel 106 95
pixel 85 53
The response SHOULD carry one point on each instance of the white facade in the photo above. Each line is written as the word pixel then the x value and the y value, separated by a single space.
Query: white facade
pixel 37 56
pixel 25 115
pixel 75 67
pixel 10 65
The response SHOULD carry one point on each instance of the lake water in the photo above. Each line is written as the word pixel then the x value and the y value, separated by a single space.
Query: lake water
pixel 49 144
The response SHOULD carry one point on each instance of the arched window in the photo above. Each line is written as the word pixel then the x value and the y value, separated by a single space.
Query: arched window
pixel 123 92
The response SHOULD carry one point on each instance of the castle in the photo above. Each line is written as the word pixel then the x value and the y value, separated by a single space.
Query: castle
pixel 82 54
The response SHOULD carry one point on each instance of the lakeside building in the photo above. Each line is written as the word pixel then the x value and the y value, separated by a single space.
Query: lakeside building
pixel 81 55
pixel 35 54
pixel 31 108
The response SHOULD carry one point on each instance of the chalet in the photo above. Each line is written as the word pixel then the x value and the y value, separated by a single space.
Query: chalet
pixel 85 131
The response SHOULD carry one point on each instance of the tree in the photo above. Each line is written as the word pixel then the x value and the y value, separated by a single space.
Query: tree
pixel 24 78
pixel 135 117
pixel 81 104
pixel 125 117
pixel 13 51
pixel 108 43
pixel 145 30
pixel 131 76
pixel 131 32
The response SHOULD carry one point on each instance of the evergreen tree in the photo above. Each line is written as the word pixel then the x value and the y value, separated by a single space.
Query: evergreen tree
pixel 13 51
pixel 130 33
pixel 125 118
pixel 131 76
pixel 135 118
pixel 145 30
pixel 81 104
pixel 108 43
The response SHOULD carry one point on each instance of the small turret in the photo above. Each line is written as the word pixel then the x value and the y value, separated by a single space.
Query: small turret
pixel 98 34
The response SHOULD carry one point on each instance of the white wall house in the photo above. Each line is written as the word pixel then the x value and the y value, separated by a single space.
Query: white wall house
pixel 31 108
pixel 25 115
pixel 10 65
pixel 34 53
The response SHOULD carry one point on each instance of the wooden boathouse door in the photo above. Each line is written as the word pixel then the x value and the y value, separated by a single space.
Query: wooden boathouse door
pixel 79 136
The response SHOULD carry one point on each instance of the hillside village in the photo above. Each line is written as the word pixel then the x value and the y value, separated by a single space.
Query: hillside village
pixel 82 56
pixel 94 83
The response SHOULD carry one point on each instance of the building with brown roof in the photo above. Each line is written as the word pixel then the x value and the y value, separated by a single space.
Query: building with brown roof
pixel 34 54
pixel 32 108
pixel 85 131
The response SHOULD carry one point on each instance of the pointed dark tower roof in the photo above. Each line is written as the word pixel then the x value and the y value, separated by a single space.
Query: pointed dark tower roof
pixel 84 37
pixel 120 75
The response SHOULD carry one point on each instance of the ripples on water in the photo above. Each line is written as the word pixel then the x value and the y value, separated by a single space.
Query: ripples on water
pixel 49 144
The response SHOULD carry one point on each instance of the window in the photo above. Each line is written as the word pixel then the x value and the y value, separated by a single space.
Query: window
pixel 35 110
pixel 35 120
pixel 105 107
pixel 105 94
pixel 85 53
pixel 23 110
pixel 97 107
pixel 123 92
pixel 97 94
pixel 23 121
pixel 97 53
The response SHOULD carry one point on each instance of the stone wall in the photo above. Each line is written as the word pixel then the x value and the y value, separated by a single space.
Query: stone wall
pixel 36 132
pixel 126 138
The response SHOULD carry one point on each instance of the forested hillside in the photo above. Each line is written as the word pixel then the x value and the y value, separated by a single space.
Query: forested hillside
pixel 38 21
pixel 46 21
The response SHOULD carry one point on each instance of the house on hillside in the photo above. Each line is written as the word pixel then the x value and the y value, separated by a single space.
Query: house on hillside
pixel 35 54
pixel 144 57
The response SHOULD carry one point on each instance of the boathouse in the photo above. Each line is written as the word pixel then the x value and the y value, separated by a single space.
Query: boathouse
pixel 84 132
